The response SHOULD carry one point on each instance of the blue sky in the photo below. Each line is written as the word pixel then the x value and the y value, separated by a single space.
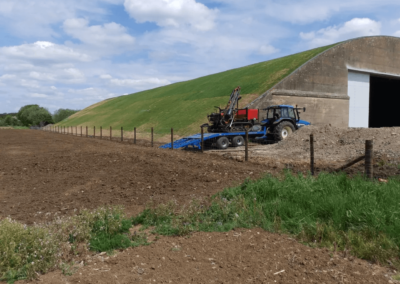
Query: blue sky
pixel 73 53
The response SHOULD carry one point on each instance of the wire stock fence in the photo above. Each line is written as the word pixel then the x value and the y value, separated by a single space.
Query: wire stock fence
pixel 241 143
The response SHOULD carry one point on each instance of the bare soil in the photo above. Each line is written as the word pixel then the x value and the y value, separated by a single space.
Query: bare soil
pixel 240 256
pixel 44 173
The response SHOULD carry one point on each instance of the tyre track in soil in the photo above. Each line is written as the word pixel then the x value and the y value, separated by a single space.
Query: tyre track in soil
pixel 43 173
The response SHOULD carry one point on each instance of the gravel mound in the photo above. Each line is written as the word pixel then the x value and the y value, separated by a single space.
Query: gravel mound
pixel 332 143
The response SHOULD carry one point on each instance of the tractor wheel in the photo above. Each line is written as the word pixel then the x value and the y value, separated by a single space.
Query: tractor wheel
pixel 283 130
pixel 237 141
pixel 222 143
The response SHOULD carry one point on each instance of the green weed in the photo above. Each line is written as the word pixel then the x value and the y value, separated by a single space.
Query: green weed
pixel 332 210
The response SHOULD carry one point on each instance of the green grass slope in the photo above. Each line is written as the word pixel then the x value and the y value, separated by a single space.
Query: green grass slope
pixel 185 105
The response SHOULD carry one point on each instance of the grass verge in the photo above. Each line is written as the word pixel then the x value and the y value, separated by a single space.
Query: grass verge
pixel 332 210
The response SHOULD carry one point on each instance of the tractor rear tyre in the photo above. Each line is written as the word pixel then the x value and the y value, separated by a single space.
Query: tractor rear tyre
pixel 237 141
pixel 283 130
pixel 222 143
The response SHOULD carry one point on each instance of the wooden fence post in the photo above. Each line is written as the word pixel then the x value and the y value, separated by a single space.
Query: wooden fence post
pixel 246 153
pixel 94 131
pixel 122 134
pixel 81 131
pixel 312 154
pixel 172 139
pixel 134 135
pixel 152 137
pixel 202 139
pixel 369 159
pixel 110 133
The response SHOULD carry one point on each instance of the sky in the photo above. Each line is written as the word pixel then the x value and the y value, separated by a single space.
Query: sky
pixel 74 53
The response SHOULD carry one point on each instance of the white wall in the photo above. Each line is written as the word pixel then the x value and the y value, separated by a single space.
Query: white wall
pixel 358 91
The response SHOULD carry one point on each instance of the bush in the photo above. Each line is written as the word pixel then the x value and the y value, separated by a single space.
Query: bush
pixel 61 114
pixel 28 250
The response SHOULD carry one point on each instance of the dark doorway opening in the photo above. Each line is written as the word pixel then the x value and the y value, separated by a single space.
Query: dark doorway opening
pixel 384 102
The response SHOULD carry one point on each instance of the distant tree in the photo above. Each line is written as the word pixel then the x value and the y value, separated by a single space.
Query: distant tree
pixel 24 112
pixel 61 114
pixel 41 117
pixel 34 115
pixel 8 120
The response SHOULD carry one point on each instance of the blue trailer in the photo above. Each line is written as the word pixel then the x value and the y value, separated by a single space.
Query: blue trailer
pixel 221 139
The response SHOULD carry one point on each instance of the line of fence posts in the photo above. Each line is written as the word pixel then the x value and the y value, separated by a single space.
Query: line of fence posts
pixel 368 157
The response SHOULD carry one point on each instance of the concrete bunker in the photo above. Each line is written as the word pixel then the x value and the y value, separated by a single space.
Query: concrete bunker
pixel 353 84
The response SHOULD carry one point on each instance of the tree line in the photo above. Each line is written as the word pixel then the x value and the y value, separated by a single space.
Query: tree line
pixel 35 115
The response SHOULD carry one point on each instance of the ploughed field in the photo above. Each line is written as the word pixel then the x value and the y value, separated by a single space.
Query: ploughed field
pixel 45 174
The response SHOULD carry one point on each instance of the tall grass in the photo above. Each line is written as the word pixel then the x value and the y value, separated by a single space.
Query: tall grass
pixel 334 211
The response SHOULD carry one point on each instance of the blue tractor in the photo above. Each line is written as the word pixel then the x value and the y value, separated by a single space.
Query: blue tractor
pixel 281 121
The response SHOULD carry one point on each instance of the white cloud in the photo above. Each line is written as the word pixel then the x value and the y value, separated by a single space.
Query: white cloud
pixel 267 50
pixel 41 51
pixel 37 19
pixel 69 75
pixel 7 77
pixel 310 11
pixel 173 13
pixel 110 37
pixel 397 34
pixel 354 28
pixel 36 95
pixel 299 11
pixel 140 83
pixel 106 76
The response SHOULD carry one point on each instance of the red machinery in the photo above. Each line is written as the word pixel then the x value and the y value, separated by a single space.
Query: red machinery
pixel 231 119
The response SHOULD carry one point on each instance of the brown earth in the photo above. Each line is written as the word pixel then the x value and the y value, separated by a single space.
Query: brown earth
pixel 240 256
pixel 44 173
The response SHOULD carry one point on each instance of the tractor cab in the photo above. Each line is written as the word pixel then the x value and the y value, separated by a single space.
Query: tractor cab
pixel 283 120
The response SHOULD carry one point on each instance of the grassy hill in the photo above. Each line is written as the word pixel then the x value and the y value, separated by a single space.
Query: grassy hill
pixel 185 105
